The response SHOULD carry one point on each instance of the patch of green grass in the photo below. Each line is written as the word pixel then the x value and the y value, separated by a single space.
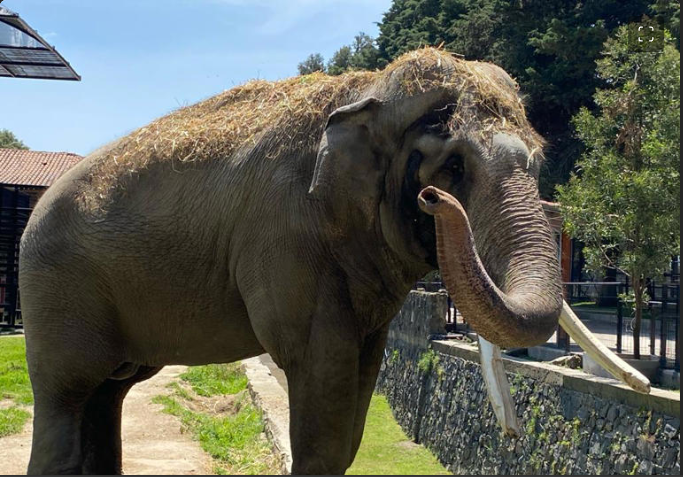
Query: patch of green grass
pixel 216 379
pixel 12 420
pixel 15 386
pixel 14 382
pixel 385 449
pixel 234 441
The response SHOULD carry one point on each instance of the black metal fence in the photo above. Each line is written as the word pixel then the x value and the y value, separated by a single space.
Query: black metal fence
pixel 600 307
pixel 14 214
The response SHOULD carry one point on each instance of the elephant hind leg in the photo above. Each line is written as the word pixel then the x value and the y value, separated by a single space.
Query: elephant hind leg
pixel 79 432
pixel 56 438
pixel 101 424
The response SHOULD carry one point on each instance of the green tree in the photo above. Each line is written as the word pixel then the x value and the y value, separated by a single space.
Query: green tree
pixel 10 141
pixel 668 14
pixel 471 28
pixel 362 54
pixel 365 54
pixel 340 61
pixel 550 47
pixel 314 62
pixel 409 24
pixel 623 201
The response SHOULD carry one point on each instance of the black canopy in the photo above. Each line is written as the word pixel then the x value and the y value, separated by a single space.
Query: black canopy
pixel 24 54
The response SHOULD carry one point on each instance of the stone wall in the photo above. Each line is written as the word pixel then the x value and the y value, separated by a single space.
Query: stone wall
pixel 572 423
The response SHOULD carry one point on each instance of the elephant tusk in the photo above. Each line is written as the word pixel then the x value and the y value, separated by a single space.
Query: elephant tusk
pixel 601 353
pixel 498 387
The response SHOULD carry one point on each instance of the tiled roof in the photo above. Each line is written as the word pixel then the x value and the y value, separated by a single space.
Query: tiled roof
pixel 34 168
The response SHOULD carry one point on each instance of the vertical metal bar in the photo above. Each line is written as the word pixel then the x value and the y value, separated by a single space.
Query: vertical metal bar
pixel 620 320
pixel 626 284
pixel 653 325
pixel 677 321
pixel 677 361
pixel 663 335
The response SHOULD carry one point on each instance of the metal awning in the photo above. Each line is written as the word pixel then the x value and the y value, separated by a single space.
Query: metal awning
pixel 24 54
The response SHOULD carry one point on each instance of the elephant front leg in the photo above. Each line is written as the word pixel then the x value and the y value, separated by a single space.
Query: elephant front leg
pixel 323 395
pixel 370 363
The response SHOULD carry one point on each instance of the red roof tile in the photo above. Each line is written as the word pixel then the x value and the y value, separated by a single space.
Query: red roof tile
pixel 34 168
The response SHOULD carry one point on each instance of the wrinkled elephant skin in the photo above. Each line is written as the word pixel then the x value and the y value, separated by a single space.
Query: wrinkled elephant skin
pixel 280 218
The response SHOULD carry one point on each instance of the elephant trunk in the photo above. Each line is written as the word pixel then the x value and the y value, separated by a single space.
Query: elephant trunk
pixel 523 315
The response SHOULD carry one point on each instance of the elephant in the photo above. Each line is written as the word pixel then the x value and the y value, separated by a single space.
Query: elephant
pixel 280 217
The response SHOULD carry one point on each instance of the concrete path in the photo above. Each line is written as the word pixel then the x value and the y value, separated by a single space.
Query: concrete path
pixel 152 441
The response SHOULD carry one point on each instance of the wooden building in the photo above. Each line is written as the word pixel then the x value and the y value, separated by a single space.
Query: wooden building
pixel 24 177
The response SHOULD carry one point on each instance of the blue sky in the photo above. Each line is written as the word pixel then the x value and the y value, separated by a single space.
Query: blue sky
pixel 140 59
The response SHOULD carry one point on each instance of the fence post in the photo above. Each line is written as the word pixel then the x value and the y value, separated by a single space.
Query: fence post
pixel 663 333
pixel 651 307
pixel 677 362
pixel 561 336
pixel 620 319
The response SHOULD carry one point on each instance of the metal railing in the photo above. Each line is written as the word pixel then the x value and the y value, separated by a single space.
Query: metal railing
pixel 600 308
pixel 600 305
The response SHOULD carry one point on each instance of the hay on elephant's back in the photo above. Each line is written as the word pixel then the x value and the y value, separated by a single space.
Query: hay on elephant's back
pixel 296 109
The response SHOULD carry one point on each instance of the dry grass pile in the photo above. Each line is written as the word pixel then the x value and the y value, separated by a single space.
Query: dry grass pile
pixel 488 98
pixel 295 109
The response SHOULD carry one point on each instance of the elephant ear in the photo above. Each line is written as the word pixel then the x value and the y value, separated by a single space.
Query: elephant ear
pixel 349 166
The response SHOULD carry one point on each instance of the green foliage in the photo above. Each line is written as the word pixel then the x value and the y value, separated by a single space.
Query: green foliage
pixel 12 420
pixel 365 53
pixel 624 200
pixel 362 54
pixel 216 379
pixel 667 13
pixel 385 449
pixel 15 386
pixel 14 381
pixel 10 141
pixel 395 356
pixel 340 62
pixel 314 62
pixel 428 361
pixel 233 440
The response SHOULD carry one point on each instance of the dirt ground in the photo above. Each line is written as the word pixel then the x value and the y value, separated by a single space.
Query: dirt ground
pixel 152 441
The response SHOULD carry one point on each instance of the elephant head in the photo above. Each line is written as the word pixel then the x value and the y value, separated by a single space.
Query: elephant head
pixel 435 120
pixel 454 135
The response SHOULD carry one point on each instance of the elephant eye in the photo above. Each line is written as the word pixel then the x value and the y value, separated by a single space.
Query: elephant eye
pixel 455 164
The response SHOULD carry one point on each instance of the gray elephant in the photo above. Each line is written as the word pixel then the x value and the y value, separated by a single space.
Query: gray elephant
pixel 281 218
